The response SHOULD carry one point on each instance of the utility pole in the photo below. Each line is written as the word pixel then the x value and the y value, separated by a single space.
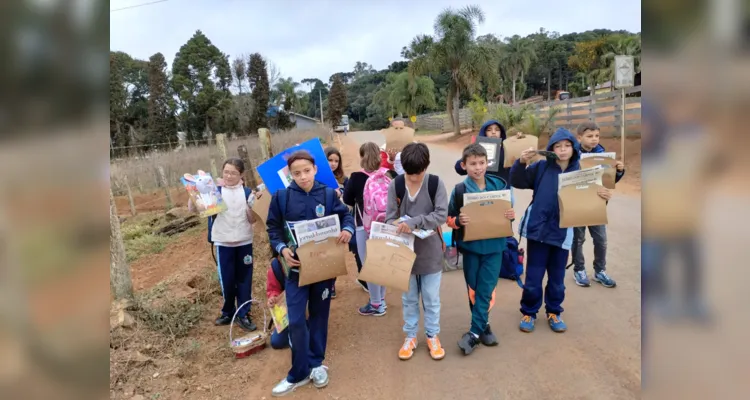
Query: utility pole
pixel 320 96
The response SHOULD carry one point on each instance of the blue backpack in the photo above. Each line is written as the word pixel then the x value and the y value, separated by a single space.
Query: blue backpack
pixel 512 266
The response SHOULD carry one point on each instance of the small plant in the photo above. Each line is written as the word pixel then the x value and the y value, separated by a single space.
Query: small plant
pixel 512 117
pixel 478 110
pixel 538 125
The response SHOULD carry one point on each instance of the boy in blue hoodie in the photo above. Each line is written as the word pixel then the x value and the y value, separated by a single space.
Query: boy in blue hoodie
pixel 492 129
pixel 482 258
pixel 548 244
pixel 305 199
pixel 588 136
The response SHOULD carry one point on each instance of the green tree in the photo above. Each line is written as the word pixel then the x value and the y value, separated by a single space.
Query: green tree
pixel 408 96
pixel 161 122
pixel 517 56
pixel 117 97
pixel 337 102
pixel 454 49
pixel 257 75
pixel 201 77
pixel 287 87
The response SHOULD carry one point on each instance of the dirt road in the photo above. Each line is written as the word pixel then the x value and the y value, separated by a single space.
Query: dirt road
pixel 598 358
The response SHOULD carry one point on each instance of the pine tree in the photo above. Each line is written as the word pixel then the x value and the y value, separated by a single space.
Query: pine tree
pixel 337 102
pixel 257 75
pixel 161 122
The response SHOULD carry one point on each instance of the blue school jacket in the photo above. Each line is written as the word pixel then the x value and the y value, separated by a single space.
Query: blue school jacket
pixel 541 221
pixel 485 246
pixel 301 206
pixel 501 172
pixel 600 149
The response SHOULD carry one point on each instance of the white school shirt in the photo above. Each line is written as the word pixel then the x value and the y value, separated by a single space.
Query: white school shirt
pixel 231 227
pixel 397 164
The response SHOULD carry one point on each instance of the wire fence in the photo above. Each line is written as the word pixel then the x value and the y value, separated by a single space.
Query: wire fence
pixel 139 176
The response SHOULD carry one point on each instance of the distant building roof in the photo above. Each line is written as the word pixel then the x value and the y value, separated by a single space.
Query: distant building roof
pixel 303 116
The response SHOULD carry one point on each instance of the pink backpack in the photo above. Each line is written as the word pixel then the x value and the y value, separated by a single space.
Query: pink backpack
pixel 375 198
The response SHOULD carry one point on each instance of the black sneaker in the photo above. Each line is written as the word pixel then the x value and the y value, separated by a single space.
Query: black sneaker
pixel 247 324
pixel 223 320
pixel 363 284
pixel 488 338
pixel 333 293
pixel 468 343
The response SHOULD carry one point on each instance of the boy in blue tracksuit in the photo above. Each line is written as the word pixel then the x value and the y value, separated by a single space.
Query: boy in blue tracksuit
pixel 305 199
pixel 482 258
pixel 492 129
pixel 588 136
pixel 548 244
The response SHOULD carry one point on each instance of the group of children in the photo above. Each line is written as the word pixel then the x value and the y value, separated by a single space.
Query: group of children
pixel 415 200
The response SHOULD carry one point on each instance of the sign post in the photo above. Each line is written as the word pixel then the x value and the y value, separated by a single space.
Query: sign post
pixel 624 78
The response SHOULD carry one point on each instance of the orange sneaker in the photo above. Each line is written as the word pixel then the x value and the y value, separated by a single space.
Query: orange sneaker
pixel 436 350
pixel 407 350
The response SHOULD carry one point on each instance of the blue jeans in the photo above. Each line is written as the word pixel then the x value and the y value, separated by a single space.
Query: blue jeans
pixel 543 258
pixel 429 287
pixel 599 235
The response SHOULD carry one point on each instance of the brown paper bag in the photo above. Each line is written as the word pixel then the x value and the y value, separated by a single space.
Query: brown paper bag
pixel 670 208
pixel 610 168
pixel 388 264
pixel 580 205
pixel 487 220
pixel 321 260
pixel 514 145
pixel 261 206
pixel 396 137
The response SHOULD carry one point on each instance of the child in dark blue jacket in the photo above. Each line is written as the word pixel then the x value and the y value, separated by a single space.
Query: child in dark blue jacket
pixel 548 244
pixel 482 258
pixel 588 136
pixel 305 199
pixel 492 129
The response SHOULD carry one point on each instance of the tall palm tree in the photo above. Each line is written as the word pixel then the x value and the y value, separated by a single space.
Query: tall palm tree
pixel 516 59
pixel 618 46
pixel 287 87
pixel 409 95
pixel 454 49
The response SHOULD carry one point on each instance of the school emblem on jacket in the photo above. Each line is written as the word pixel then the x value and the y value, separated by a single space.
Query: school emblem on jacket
pixel 248 259
pixel 325 293
pixel 320 210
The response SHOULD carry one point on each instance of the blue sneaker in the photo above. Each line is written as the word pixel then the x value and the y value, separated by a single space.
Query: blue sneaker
pixel 604 279
pixel 527 323
pixel 369 310
pixel 556 323
pixel 581 278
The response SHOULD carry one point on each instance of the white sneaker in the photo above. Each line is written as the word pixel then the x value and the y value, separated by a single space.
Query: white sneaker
pixel 319 376
pixel 284 387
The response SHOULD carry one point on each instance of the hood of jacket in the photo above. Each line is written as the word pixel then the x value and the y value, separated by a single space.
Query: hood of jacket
pixel 492 183
pixel 483 129
pixel 564 134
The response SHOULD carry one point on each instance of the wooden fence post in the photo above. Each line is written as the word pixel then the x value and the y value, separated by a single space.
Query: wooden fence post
pixel 266 146
pixel 119 272
pixel 214 171
pixel 130 195
pixel 166 187
pixel 249 175
pixel 221 145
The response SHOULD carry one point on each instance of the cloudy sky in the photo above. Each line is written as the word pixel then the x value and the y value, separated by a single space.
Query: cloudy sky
pixel 316 38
